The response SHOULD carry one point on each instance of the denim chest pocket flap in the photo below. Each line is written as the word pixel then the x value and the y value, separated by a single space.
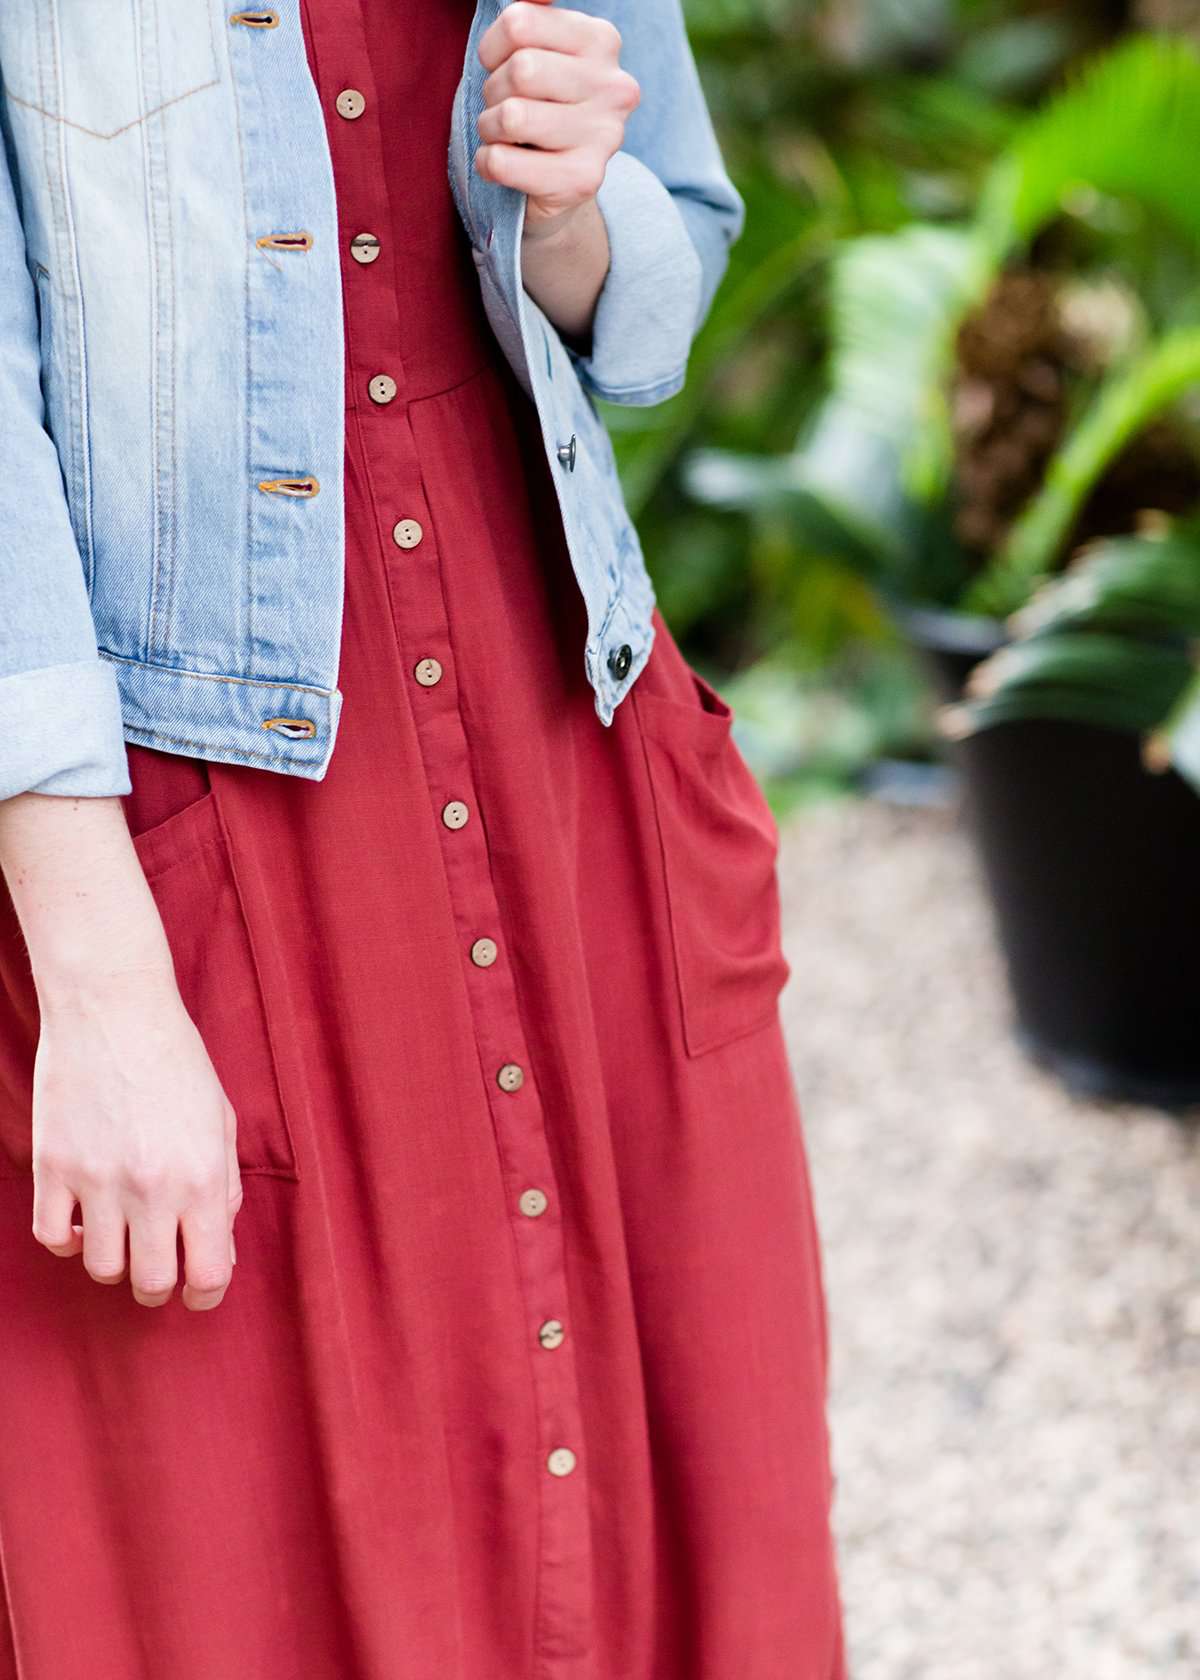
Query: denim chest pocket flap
pixel 720 845
pixel 103 66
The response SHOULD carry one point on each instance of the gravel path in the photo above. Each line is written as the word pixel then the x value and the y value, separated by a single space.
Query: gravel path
pixel 1014 1287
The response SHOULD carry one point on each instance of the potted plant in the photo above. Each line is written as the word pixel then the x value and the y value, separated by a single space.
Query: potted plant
pixel 1005 393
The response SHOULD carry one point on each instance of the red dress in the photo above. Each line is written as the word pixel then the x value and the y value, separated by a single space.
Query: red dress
pixel 521 1372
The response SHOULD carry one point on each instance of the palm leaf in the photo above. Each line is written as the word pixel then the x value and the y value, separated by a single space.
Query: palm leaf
pixel 895 302
pixel 1147 586
pixel 1128 125
pixel 1082 677
pixel 818 493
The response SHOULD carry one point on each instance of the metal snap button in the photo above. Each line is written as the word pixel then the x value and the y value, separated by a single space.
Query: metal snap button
pixel 365 247
pixel 619 661
pixel 566 453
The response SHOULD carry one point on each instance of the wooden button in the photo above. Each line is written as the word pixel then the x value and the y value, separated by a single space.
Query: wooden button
pixel 533 1202
pixel 350 104
pixel 455 814
pixel 428 672
pixel 511 1076
pixel 364 247
pixel 407 533
pixel 381 388
pixel 484 953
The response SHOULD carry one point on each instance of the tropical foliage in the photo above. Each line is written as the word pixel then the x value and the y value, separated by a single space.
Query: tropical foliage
pixel 1113 641
pixel 956 341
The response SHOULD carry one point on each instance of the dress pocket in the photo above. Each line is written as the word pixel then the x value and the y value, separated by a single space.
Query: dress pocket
pixel 186 858
pixel 720 845
pixel 188 863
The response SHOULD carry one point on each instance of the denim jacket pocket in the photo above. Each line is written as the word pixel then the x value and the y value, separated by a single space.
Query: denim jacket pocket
pixel 103 66
pixel 720 846
pixel 188 863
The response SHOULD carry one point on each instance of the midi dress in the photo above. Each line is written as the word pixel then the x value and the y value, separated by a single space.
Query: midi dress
pixel 521 1373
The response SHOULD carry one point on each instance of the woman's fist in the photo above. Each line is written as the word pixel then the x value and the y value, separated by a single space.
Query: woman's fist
pixel 555 105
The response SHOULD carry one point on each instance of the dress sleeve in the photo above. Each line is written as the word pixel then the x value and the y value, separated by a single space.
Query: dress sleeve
pixel 60 714
pixel 671 211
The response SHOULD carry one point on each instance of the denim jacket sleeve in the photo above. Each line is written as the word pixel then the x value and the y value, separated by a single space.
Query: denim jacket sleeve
pixel 60 716
pixel 671 212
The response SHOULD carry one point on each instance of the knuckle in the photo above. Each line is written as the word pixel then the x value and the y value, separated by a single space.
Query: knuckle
pixel 520 18
pixel 207 1280
pixel 49 1238
pixel 153 1284
pixel 201 1184
pixel 607 34
pixel 590 176
pixel 511 116
pixel 147 1181
pixel 204 1180
pixel 53 1163
pixel 522 68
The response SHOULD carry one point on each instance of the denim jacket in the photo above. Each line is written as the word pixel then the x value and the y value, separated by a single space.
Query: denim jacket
pixel 171 391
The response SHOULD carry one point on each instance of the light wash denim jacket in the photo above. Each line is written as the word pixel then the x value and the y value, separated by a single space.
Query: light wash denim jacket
pixel 171 510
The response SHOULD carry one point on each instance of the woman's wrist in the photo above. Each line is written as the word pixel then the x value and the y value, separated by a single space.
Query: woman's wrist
pixel 88 917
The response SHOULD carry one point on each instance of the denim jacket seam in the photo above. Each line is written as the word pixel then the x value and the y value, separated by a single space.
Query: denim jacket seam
pixel 246 755
pixel 216 676
pixel 616 393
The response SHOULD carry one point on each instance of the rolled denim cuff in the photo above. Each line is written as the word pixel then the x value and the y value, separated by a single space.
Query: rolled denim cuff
pixel 61 732
pixel 649 306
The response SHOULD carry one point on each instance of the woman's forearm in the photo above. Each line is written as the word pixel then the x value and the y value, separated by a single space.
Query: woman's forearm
pixel 79 892
pixel 564 261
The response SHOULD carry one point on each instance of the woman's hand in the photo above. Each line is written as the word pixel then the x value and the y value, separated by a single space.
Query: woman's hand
pixel 129 1118
pixel 555 106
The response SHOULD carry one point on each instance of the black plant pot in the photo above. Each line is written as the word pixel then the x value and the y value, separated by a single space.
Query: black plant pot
pixel 1093 864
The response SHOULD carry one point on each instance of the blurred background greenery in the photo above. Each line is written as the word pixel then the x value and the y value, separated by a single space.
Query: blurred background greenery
pixel 861 118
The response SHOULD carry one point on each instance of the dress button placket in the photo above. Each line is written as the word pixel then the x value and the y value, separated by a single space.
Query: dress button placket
pixel 509 1085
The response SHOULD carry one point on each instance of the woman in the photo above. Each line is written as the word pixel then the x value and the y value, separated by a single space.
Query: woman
pixel 466 1019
